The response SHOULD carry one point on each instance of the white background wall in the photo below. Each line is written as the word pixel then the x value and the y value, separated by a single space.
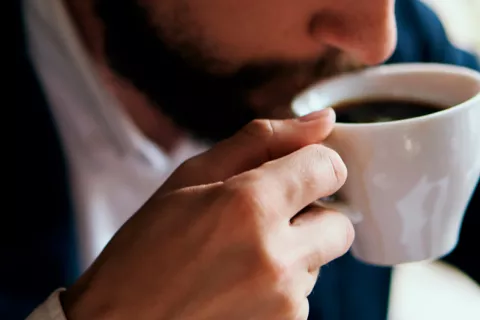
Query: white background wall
pixel 461 19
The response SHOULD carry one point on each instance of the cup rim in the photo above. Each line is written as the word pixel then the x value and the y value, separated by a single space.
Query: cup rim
pixel 398 69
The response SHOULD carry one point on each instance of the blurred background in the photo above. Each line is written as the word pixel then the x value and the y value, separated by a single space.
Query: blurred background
pixel 462 21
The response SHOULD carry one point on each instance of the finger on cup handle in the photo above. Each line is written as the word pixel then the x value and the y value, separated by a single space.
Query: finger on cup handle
pixel 323 235
pixel 289 184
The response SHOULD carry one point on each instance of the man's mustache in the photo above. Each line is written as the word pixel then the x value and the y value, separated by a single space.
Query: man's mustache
pixel 273 86
pixel 333 62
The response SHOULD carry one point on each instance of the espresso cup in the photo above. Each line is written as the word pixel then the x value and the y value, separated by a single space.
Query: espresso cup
pixel 409 181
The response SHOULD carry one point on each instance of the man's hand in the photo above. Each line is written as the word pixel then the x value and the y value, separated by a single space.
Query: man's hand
pixel 222 239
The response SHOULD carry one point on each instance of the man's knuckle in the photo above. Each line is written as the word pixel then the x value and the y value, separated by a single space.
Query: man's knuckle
pixel 327 170
pixel 245 194
pixel 339 170
pixel 260 129
pixel 317 259
pixel 330 158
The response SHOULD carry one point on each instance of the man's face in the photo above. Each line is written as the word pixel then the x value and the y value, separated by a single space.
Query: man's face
pixel 214 65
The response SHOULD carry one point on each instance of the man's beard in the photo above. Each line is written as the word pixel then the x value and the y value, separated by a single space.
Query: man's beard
pixel 177 78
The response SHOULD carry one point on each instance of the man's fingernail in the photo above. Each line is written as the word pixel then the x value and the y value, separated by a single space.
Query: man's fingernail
pixel 316 115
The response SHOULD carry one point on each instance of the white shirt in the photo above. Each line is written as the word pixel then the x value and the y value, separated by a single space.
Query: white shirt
pixel 114 169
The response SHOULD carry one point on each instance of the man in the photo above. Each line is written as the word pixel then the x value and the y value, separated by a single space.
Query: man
pixel 110 92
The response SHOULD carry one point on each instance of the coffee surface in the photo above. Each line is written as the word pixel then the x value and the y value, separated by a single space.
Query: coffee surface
pixel 382 110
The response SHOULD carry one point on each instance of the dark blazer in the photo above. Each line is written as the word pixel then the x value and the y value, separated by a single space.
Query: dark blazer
pixel 39 254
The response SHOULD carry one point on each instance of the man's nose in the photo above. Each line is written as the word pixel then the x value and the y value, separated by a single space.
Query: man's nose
pixel 364 29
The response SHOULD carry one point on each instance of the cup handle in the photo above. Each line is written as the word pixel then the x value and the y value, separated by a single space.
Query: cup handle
pixel 355 216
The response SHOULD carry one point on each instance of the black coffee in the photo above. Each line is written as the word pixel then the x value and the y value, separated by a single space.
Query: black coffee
pixel 382 110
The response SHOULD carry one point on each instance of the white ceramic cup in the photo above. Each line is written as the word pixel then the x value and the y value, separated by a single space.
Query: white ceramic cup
pixel 409 181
